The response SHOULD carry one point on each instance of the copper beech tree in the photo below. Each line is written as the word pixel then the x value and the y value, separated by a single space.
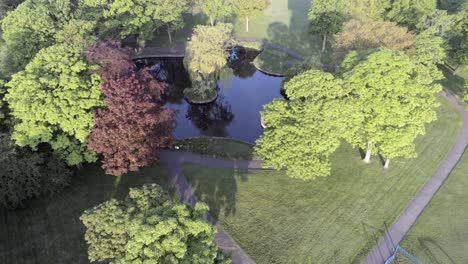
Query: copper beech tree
pixel 135 123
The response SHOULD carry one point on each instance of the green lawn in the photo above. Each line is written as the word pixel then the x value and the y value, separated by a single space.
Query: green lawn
pixel 337 219
pixel 49 231
pixel 217 148
pixel 441 233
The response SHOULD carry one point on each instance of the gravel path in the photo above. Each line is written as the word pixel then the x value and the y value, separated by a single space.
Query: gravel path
pixel 387 246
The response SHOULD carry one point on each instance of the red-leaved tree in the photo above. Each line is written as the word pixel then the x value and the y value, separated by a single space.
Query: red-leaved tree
pixel 134 124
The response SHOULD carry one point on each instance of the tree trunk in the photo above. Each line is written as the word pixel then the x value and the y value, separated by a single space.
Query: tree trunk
pixel 457 69
pixel 324 44
pixel 211 20
pixel 368 154
pixel 387 164
pixel 247 23
pixel 170 36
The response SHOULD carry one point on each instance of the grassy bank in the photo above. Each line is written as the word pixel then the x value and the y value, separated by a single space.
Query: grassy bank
pixel 337 219
pixel 440 235
pixel 48 230
pixel 223 148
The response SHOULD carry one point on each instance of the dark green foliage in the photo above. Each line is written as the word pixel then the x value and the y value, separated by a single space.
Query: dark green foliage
pixel 24 174
pixel 149 227
pixel 7 6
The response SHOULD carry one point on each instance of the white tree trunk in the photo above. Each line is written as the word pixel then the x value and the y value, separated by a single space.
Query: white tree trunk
pixel 211 20
pixel 387 164
pixel 170 36
pixel 247 23
pixel 368 154
pixel 324 44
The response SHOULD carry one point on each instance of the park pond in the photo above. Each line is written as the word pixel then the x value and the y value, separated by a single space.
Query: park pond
pixel 242 93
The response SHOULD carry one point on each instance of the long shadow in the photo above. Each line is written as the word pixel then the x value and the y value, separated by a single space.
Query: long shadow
pixel 218 191
pixel 428 243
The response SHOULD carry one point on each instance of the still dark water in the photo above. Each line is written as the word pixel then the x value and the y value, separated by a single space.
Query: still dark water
pixel 242 93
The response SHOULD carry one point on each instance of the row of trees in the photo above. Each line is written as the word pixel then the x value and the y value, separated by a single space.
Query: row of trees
pixel 380 101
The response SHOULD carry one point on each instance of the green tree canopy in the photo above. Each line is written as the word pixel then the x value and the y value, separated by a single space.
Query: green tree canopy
pixel 326 17
pixel 32 26
pixel 395 101
pixel 121 18
pixel 302 132
pixel 366 9
pixel 149 227
pixel 206 54
pixel 24 174
pixel 458 44
pixel 410 12
pixel 215 9
pixel 248 9
pixel 54 100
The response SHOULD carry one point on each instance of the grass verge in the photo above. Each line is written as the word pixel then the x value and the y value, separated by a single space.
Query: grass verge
pixel 337 219
pixel 223 148
pixel 440 235
pixel 275 62
pixel 48 230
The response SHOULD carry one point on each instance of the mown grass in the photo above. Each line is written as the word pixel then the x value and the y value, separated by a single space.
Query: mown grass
pixel 337 219
pixel 223 148
pixel 274 62
pixel 440 235
pixel 48 230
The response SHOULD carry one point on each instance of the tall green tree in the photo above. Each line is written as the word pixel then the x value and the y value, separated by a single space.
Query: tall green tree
pixel 395 101
pixel 206 54
pixel 149 227
pixel 326 17
pixel 54 100
pixel 215 9
pixel 302 132
pixel 32 26
pixel 410 12
pixel 248 9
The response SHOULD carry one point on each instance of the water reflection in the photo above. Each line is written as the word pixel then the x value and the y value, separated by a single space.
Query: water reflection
pixel 212 119
pixel 242 92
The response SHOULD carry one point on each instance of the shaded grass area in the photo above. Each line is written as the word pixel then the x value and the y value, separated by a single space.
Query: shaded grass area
pixel 337 219
pixel 440 235
pixel 455 83
pixel 48 230
pixel 223 148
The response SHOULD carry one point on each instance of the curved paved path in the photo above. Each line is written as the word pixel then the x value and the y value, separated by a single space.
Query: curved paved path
pixel 387 246
pixel 173 161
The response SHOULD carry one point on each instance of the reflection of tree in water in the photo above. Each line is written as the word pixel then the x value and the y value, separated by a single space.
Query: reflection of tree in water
pixel 170 71
pixel 242 65
pixel 211 118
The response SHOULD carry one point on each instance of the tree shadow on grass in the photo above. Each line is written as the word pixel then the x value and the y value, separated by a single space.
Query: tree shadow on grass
pixel 452 82
pixel 219 191
pixel 434 251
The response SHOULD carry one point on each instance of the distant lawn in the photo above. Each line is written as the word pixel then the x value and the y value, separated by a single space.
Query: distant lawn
pixel 337 219
pixel 49 231
pixel 441 233
pixel 223 148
